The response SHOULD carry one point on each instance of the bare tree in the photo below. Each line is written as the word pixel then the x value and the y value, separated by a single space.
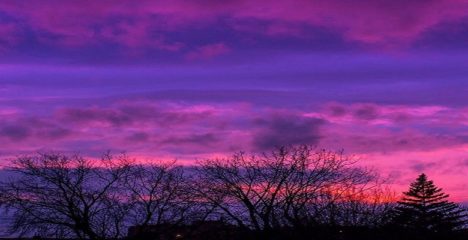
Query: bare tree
pixel 157 193
pixel 244 188
pixel 319 179
pixel 277 189
pixel 66 196
pixel 298 188
pixel 367 205
pixel 162 198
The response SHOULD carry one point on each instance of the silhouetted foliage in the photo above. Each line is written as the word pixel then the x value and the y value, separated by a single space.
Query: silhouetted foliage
pixel 293 192
pixel 160 196
pixel 425 210
pixel 291 187
pixel 66 196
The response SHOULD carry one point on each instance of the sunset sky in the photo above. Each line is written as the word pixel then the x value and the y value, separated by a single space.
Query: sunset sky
pixel 385 80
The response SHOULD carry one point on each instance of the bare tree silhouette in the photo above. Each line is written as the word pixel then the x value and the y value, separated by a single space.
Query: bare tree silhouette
pixel 160 196
pixel 289 187
pixel 155 192
pixel 66 196
pixel 289 193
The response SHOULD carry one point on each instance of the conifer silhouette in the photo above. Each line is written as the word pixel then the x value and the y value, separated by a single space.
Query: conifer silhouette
pixel 425 209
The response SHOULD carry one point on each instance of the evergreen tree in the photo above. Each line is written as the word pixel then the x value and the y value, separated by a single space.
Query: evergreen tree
pixel 425 209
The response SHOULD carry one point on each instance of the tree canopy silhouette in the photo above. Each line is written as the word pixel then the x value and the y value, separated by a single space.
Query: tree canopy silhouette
pixel 425 209
pixel 294 192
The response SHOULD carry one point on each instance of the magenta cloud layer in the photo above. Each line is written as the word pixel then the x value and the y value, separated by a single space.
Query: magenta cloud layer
pixel 195 30
pixel 385 80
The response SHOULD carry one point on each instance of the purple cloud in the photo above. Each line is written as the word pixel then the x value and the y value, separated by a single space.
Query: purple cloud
pixel 18 129
pixel 366 112
pixel 208 51
pixel 286 129
pixel 64 28
pixel 125 115
pixel 15 132
pixel 383 79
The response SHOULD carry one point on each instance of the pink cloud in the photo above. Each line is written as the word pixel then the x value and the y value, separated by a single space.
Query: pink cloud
pixel 20 134
pixel 284 30
pixel 208 51
pixel 358 128
pixel 136 35
pixel 141 114
pixel 8 35
pixel 390 115
pixel 362 139
pixel 428 138
pixel 82 23
pixel 382 22
pixel 365 128
pixel 443 165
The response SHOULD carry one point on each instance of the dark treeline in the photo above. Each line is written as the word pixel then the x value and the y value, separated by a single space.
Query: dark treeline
pixel 288 193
